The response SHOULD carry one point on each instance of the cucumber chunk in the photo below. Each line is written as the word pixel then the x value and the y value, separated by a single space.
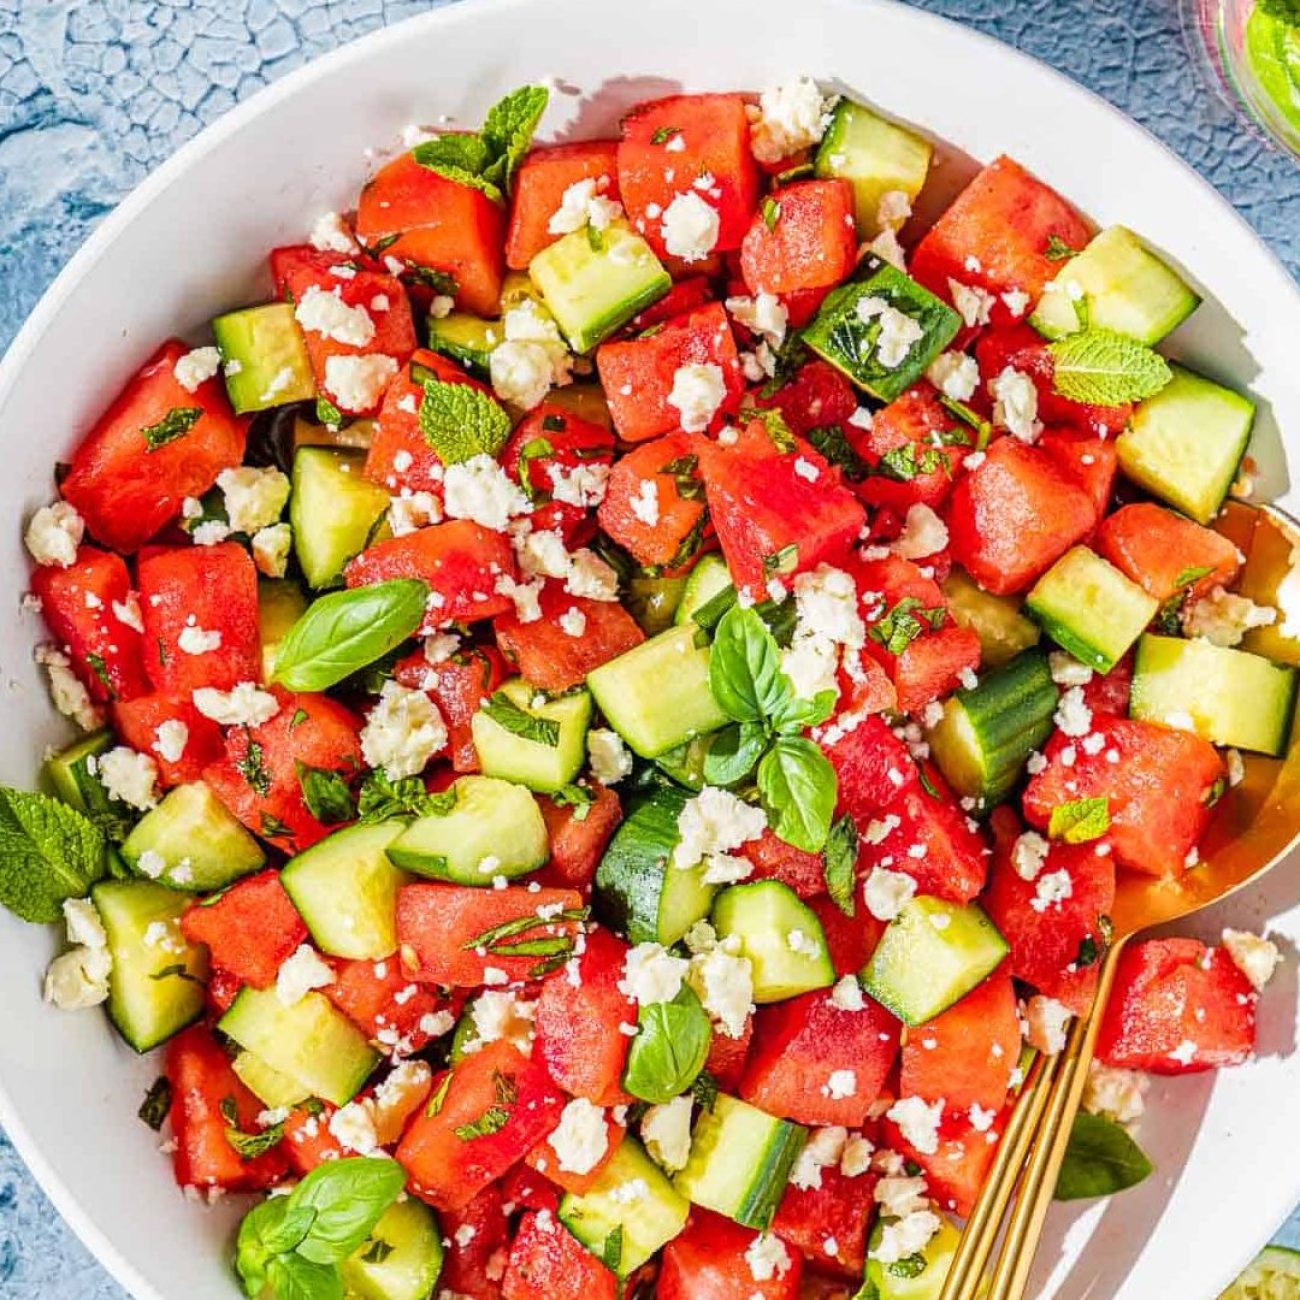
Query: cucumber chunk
pixel 1088 607
pixel 310 1043
pixel 1184 445
pixel 653 602
pixel 495 829
pixel 515 756
pixel 685 764
pixel 592 286
pixel 638 891
pixel 1226 696
pixel 656 695
pixel 1274 1274
pixel 190 841
pixel 265 355
pixel 1002 629
pixel 709 578
pixel 740 1161
pixel 345 888
pixel 156 986
pixel 780 935
pixel 69 776
pixel 986 733
pixel 401 1259
pixel 1127 287
pixel 848 334
pixel 641 1224
pixel 280 604
pixel 269 1086
pixel 875 156
pixel 919 969
pixel 467 339
pixel 906 1280
pixel 333 510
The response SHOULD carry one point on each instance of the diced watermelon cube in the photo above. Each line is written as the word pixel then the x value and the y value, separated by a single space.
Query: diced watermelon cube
pixel 547 1260
pixel 654 523
pixel 138 722
pixel 1159 549
pixel 806 240
pixel 706 1261
pixel 578 835
pixel 387 1007
pixel 477 1238
pixel 830 1223
pixel 539 188
pixel 250 929
pixel 956 1170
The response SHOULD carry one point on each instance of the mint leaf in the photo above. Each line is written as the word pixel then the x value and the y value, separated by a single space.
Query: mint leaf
pixel 1080 821
pixel 492 1120
pixel 48 852
pixel 508 130
pixel 339 634
pixel 904 463
pixel 251 1145
pixel 840 862
pixel 1101 1159
pixel 519 722
pixel 382 798
pixel 175 424
pixel 1105 368
pixel 798 789
pixel 460 422
pixel 829 439
pixel 326 794
pixel 664 134
pixel 771 210
pixel 1058 250
pixel 745 667
pixel 774 423
pixel 903 623
pixel 1286 12
pixel 157 1102
pixel 462 157
pixel 668 1053
pixel 349 1196
pixel 611 1251
pixel 1169 618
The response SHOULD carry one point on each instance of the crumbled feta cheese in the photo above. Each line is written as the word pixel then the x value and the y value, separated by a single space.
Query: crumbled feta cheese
pixel 981 1120
pixel 1117 1094
pixel 403 732
pixel 54 534
pixel 690 227
pixel 1067 670
pixel 610 758
pixel 254 497
pixel 441 305
pixel 212 532
pixel 899 1196
pixel 724 983
pixel 1073 716
pixel 887 892
pixel 764 314
pixel 828 625
pixel 78 978
pixel 918 1121
pixel 893 210
pixel 357 383
pixel 645 502
pixel 353 1127
pixel 1053 888
pixel 170 739
pixel 898 331
pixel 666 1132
pixel 198 641
pixel 501 1015
pixel 1255 957
pixel 580 485
pixel 525 595
pixel 279 381
pixel 823 1150
pixel 151 864
pixel 924 533
pixel 973 303
pixel 521 373
pixel 1046 1021
pixel 651 974
pixel 300 973
pixel 1016 301
pixel 196 367
pixel 790 117
pixel 127 612
pixel 573 622
pixel 847 994
pixel 697 393
pixel 479 489
pixel 323 311
pixel 271 549
pixel 591 577
pixel 715 822
pixel 906 1237
pixel 887 247
pixel 330 234
pixel 1223 618
pixel 955 374
pixel 841 1084
pixel 542 553
pixel 767 1257
pixel 1185 1053
pixel 1015 404
pixel 583 204
pixel 1028 855
pixel 803 945
pixel 129 776
pixel 244 706
pixel 82 923
pixel 70 697
pixel 856 1159
pixel 582 1137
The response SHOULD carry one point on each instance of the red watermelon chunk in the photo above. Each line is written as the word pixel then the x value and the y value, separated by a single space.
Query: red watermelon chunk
pixel 956 1169
pixel 142 723
pixel 547 1260
pixel 250 929
pixel 539 187
pixel 655 522
pixel 477 1237
pixel 706 1261
pixel 805 241
pixel 913 445
pixel 830 1223
pixel 1158 549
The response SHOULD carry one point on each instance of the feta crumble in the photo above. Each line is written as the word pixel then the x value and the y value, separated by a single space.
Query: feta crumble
pixel 666 1132
pixel 1117 1094
pixel 698 391
pixel 53 535
pixel 790 117
pixel 403 732
pixel 1015 404
pixel 300 973
pixel 1254 956
pixel 323 311
pixel 254 497
pixel 245 705
pixel 70 697
pixel 610 758
pixel 481 490
pixel 887 892
pixel 1046 1021
pixel 898 331
pixel 651 974
pixel 724 983
pixel 357 383
pixel 955 375
pixel 918 1121
pixel 714 823
pixel 924 533
pixel 690 227
pixel 767 1257
pixel 582 1137
pixel 582 204
pixel 129 776
pixel 196 367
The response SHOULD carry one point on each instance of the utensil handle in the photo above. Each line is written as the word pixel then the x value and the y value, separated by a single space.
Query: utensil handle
pixel 1011 1276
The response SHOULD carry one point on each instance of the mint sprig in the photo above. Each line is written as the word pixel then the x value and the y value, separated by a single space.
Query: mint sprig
pixel 1102 367
pixel 48 852
pixel 1080 821
pixel 460 422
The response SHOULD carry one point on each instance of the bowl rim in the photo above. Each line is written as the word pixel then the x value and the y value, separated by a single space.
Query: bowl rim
pixel 63 288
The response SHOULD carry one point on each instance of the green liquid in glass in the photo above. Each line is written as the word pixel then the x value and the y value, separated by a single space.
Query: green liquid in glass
pixel 1273 53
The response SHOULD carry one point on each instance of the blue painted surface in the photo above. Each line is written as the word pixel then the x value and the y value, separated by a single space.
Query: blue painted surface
pixel 95 93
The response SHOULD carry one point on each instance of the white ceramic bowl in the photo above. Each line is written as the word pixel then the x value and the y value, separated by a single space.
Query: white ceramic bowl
pixel 191 242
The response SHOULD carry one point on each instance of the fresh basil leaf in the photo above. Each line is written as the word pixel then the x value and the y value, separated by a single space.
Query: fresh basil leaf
pixel 795 713
pixel 349 1196
pixel 383 798
pixel 1105 368
pixel 734 752
pixel 157 1102
pixel 258 1243
pixel 840 862
pixel 48 852
pixel 326 794
pixel 670 1048
pixel 440 282
pixel 745 667
pixel 341 633
pixel 175 424
pixel 1080 821
pixel 508 130
pixel 1101 1159
pixel 295 1277
pixel 459 421
pixel 798 789
pixel 519 722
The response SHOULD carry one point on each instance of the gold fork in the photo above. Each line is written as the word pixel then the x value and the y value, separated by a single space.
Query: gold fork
pixel 1256 824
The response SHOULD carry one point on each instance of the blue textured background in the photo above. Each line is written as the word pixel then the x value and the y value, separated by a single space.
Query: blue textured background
pixel 95 93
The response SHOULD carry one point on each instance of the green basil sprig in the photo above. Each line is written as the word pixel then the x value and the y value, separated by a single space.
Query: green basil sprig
pixel 670 1048
pixel 796 783
pixel 290 1247
pixel 1100 1160
pixel 343 632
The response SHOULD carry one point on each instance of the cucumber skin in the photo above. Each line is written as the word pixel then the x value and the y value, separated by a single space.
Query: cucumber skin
pixel 759 1207
pixel 629 879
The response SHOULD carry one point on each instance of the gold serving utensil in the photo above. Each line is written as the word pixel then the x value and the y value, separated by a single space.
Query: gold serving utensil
pixel 1256 824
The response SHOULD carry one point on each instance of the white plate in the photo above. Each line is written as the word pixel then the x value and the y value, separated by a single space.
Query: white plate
pixel 191 242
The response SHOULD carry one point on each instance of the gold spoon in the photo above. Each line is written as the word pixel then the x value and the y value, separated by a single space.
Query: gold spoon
pixel 1255 825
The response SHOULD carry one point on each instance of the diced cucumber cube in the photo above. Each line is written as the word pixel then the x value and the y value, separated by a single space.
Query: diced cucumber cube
pixel 467 339
pixel 333 510
pixel 280 604
pixel 1002 629
pixel 265 356
pixel 269 1086
pixel 407 1267
pixel 507 748
pixel 780 935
